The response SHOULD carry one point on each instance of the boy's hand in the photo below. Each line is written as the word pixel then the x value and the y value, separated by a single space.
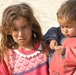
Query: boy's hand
pixel 74 72
pixel 60 49
pixel 52 44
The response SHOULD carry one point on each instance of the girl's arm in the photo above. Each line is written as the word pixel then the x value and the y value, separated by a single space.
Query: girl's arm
pixel 4 69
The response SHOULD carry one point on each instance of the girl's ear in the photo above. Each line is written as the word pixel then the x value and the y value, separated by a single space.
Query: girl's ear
pixel 10 30
pixel 9 33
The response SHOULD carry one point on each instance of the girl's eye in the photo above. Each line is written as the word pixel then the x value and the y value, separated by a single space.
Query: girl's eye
pixel 15 29
pixel 25 27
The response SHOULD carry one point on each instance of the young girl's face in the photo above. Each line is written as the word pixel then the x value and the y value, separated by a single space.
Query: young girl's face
pixel 22 32
pixel 68 27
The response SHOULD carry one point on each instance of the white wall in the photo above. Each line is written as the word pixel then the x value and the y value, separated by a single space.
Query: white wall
pixel 44 10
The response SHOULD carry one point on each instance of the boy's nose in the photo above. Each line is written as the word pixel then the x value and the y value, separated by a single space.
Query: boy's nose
pixel 65 30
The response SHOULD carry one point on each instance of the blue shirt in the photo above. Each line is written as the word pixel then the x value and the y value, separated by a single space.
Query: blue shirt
pixel 54 33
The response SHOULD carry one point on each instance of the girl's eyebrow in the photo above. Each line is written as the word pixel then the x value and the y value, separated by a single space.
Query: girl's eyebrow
pixel 22 26
pixel 25 25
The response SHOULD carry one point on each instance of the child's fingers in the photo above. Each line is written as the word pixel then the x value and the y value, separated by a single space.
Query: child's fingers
pixel 57 48
pixel 54 45
pixel 60 50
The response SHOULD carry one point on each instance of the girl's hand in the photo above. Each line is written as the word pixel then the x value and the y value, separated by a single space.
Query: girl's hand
pixel 52 44
pixel 60 49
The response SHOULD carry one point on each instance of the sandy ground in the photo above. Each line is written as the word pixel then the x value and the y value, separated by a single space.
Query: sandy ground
pixel 44 10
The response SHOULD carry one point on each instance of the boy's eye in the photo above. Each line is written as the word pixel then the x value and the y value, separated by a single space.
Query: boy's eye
pixel 61 26
pixel 69 27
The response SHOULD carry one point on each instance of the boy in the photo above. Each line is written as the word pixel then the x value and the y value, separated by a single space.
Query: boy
pixel 66 17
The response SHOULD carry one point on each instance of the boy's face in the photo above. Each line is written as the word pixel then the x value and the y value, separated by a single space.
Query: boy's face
pixel 68 27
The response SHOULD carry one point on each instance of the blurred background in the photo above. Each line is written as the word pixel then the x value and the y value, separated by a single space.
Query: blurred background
pixel 44 11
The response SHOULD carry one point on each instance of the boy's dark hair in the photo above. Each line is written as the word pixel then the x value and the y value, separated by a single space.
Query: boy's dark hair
pixel 67 10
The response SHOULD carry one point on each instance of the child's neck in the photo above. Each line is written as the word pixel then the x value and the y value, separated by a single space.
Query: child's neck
pixel 27 47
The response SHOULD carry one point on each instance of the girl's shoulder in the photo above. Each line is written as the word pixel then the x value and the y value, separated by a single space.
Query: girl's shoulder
pixel 24 53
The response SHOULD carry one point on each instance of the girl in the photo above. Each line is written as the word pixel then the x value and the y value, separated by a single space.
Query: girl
pixel 22 51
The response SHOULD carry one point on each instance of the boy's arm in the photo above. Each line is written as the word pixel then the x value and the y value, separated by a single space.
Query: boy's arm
pixel 52 34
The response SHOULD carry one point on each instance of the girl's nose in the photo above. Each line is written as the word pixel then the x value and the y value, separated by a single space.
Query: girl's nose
pixel 20 33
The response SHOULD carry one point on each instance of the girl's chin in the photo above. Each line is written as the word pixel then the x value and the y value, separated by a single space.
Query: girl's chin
pixel 21 43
